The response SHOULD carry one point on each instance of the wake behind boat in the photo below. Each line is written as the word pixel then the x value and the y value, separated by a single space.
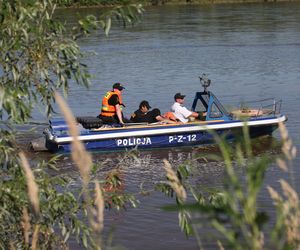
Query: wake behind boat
pixel 97 136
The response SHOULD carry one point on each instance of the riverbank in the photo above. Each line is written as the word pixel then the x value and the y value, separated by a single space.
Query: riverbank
pixel 110 3
pixel 205 2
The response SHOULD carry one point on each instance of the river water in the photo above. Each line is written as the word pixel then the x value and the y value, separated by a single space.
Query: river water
pixel 250 52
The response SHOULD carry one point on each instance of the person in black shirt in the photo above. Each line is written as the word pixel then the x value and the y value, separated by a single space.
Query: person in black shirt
pixel 144 114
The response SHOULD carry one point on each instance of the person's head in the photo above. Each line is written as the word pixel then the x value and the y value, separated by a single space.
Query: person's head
pixel 178 97
pixel 144 106
pixel 118 87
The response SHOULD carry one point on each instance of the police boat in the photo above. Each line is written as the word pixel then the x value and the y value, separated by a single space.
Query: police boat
pixel 95 135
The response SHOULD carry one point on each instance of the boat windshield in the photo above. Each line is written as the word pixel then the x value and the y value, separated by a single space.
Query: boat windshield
pixel 203 104
pixel 208 102
pixel 219 105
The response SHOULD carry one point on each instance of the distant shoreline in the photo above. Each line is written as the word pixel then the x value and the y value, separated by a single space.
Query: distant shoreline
pixel 176 2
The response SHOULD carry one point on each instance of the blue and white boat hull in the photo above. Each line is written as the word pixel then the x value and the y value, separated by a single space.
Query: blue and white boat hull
pixel 156 136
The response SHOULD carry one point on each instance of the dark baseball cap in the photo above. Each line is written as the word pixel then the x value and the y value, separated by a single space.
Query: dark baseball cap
pixel 179 96
pixel 118 86
pixel 145 104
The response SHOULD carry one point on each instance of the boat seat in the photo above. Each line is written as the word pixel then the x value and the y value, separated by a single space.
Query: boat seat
pixel 247 113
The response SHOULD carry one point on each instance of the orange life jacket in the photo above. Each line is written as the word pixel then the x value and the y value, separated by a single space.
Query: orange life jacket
pixel 170 116
pixel 107 109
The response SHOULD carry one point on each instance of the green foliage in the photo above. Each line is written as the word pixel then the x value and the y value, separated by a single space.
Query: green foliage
pixel 233 211
pixel 37 58
pixel 114 192
pixel 59 207
pixel 127 15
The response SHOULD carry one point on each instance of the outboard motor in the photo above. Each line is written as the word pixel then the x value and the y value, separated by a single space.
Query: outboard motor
pixel 38 144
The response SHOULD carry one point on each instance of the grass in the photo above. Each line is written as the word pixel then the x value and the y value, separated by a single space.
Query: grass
pixel 234 210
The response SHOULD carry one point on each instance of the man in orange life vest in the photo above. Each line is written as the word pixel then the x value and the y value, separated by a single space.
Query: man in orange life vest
pixel 111 111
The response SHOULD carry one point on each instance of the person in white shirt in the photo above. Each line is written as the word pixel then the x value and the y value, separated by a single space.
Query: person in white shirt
pixel 181 112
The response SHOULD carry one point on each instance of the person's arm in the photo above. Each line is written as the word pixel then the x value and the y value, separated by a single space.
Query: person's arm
pixel 194 114
pixel 119 113
pixel 114 100
pixel 199 115
pixel 187 113
pixel 135 117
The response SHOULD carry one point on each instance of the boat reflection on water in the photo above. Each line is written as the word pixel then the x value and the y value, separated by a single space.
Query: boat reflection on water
pixel 198 155
pixel 145 167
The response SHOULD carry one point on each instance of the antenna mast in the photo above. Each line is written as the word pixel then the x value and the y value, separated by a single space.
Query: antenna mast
pixel 205 82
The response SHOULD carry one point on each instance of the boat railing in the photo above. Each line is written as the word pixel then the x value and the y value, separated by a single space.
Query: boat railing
pixel 263 107
pixel 267 106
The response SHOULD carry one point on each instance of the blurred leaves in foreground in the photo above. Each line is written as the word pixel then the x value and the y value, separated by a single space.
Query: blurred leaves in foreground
pixel 39 206
pixel 233 211
pixel 39 210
